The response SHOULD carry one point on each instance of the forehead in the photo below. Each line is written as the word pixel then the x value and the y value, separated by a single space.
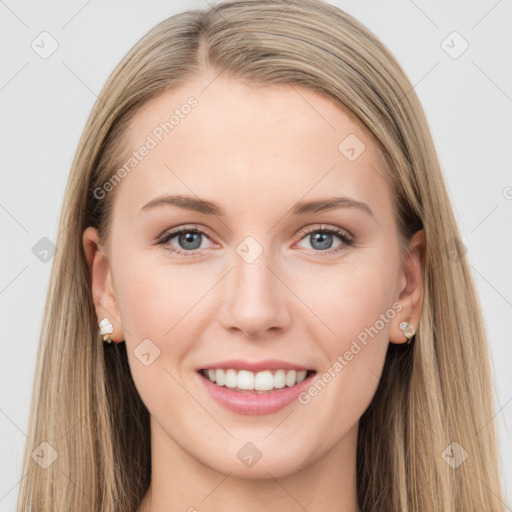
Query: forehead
pixel 251 145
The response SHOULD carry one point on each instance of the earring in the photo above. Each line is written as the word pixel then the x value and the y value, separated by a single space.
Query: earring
pixel 106 328
pixel 408 330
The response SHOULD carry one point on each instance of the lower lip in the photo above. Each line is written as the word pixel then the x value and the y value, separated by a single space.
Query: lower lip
pixel 254 403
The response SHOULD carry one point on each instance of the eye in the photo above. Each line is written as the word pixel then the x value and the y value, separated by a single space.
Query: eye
pixel 321 239
pixel 189 238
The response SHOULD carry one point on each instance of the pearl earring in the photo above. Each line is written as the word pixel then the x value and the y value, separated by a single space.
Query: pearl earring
pixel 408 330
pixel 106 328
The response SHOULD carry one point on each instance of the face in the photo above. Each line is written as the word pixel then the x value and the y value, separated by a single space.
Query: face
pixel 261 278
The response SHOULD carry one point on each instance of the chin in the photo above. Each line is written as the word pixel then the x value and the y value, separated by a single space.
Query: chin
pixel 250 462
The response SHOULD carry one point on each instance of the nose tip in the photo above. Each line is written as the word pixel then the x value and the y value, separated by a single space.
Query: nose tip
pixel 254 305
pixel 254 320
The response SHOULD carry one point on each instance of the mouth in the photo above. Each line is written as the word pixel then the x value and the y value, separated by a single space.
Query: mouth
pixel 255 383
pixel 255 387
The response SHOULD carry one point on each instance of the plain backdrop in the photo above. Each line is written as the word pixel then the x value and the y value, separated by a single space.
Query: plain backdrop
pixel 46 99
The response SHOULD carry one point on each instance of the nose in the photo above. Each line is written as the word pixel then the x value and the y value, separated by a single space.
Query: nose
pixel 255 299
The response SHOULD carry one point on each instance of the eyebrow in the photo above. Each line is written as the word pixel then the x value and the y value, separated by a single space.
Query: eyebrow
pixel 299 208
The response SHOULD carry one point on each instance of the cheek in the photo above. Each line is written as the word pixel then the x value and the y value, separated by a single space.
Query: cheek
pixel 353 303
pixel 347 299
pixel 160 302
pixel 153 311
pixel 355 313
pixel 154 296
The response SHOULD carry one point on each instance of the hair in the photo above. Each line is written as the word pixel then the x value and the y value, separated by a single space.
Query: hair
pixel 432 392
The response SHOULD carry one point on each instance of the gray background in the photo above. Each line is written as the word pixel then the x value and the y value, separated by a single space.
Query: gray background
pixel 46 101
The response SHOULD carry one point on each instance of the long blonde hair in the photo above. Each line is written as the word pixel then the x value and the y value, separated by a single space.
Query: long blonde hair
pixel 432 393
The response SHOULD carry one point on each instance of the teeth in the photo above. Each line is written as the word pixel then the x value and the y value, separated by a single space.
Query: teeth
pixel 261 381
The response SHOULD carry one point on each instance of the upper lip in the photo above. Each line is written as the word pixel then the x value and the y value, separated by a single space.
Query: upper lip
pixel 254 366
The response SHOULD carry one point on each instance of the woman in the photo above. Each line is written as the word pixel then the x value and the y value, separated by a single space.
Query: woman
pixel 319 345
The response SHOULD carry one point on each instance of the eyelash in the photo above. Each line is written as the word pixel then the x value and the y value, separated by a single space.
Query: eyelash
pixel 347 239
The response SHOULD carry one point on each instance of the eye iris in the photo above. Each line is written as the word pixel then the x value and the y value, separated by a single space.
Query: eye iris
pixel 190 237
pixel 324 238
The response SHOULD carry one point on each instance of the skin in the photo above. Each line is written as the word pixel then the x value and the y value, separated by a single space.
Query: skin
pixel 255 151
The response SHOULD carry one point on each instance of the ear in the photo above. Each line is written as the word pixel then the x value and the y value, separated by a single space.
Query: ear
pixel 411 287
pixel 103 292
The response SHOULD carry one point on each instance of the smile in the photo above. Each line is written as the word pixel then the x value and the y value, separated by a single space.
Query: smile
pixel 255 393
pixel 245 381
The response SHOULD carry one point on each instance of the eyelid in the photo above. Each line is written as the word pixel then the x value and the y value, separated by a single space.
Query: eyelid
pixel 326 227
pixel 182 227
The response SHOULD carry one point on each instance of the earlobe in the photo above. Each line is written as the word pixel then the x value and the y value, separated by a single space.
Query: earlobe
pixel 411 294
pixel 102 289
